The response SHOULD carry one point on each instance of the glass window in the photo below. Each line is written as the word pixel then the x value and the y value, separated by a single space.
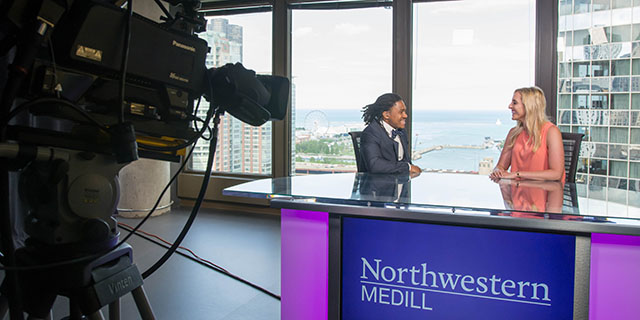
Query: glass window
pixel 581 69
pixel 635 67
pixel 467 66
pixel 617 151
pixel 621 33
pixel 598 166
pixel 599 134
pixel 599 101
pixel 565 7
pixel 583 164
pixel 619 101
pixel 600 85
pixel 581 101
pixel 635 35
pixel 635 101
pixel 601 5
pixel 635 118
pixel 564 70
pixel 619 135
pixel 620 84
pixel 564 101
pixel 621 67
pixel 619 118
pixel 581 37
pixel 246 39
pixel 600 150
pixel 618 168
pixel 634 168
pixel 581 6
pixel 341 61
pixel 635 136
pixel 622 4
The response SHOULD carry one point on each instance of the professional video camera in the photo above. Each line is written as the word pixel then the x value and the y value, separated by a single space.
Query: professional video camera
pixel 117 86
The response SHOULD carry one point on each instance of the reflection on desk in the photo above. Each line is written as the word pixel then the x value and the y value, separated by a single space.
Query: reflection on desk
pixel 451 192
pixel 383 188
pixel 537 199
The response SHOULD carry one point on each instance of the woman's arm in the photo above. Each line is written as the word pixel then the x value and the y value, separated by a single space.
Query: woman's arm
pixel 505 159
pixel 556 160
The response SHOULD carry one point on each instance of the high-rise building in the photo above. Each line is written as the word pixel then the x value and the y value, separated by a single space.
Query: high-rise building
pixel 241 148
pixel 599 92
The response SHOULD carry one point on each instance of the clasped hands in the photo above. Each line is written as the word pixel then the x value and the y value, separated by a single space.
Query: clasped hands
pixel 499 173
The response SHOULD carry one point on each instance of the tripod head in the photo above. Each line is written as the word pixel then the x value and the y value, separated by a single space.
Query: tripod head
pixel 71 200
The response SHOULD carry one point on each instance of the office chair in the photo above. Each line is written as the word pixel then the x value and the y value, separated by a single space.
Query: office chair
pixel 571 142
pixel 570 199
pixel 355 138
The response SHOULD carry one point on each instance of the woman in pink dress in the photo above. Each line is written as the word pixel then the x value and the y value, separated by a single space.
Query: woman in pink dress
pixel 533 148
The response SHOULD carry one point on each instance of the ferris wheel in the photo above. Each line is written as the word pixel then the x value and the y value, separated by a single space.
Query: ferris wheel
pixel 316 122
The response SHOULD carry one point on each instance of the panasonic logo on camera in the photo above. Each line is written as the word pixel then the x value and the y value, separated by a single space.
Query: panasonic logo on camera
pixel 174 76
pixel 409 286
pixel 183 46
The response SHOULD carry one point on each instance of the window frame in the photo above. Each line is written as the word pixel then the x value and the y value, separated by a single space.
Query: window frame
pixel 402 67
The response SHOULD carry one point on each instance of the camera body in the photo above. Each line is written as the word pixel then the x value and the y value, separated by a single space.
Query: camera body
pixel 73 52
pixel 165 71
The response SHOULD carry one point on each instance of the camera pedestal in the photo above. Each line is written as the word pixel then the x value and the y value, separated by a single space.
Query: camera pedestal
pixel 89 285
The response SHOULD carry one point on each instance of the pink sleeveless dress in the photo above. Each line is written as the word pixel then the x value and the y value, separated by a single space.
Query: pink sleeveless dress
pixel 524 159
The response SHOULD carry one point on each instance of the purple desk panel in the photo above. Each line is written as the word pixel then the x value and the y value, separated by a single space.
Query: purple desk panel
pixel 305 265
pixel 615 277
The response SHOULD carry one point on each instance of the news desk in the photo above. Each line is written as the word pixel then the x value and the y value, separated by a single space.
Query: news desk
pixel 453 246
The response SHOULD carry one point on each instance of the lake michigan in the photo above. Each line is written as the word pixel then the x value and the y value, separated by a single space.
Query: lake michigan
pixel 432 128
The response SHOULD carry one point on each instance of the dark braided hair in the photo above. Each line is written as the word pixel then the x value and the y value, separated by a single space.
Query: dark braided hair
pixel 373 112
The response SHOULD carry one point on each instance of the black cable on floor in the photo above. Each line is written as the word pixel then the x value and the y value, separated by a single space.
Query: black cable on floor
pixel 201 261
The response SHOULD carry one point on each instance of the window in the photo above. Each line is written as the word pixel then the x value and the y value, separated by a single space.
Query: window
pixel 341 61
pixel 603 55
pixel 466 62
pixel 246 39
pixel 466 67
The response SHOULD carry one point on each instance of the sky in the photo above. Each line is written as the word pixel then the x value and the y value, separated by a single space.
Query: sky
pixel 468 55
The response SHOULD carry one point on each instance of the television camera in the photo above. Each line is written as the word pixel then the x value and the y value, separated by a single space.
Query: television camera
pixel 90 86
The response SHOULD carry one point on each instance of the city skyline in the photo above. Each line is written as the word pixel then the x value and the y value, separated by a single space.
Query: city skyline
pixel 242 148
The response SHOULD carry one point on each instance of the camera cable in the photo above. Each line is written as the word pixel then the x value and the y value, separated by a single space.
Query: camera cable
pixel 196 207
pixel 194 257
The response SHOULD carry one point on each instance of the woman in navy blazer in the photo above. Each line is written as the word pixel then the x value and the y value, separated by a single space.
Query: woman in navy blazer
pixel 383 144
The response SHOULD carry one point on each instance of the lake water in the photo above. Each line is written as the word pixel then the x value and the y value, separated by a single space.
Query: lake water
pixel 433 128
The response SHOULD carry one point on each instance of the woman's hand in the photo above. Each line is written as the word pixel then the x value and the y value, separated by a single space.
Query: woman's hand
pixel 497 174
pixel 510 175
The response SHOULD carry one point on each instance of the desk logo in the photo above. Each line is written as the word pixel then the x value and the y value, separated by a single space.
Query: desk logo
pixel 408 286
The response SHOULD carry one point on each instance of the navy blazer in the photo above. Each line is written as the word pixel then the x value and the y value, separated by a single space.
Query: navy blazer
pixel 379 151
pixel 383 186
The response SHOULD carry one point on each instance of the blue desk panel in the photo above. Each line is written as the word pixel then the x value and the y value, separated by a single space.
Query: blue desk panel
pixel 404 270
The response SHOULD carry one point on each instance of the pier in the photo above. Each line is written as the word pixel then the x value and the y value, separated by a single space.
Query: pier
pixel 488 143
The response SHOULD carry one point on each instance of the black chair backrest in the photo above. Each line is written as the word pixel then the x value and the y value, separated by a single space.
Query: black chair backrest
pixel 571 142
pixel 355 138
pixel 570 199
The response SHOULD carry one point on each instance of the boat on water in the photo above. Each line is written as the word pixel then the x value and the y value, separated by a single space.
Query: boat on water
pixel 498 122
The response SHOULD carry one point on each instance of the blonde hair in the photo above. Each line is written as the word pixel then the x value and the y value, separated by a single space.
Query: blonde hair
pixel 534 105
